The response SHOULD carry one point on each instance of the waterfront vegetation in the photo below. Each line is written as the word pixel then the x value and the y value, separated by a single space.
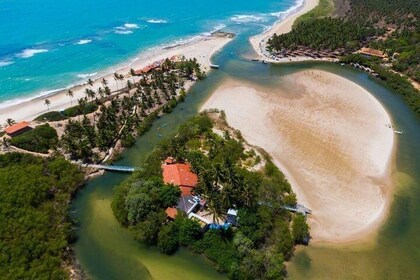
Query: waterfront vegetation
pixel 266 235
pixel 128 115
pixel 40 139
pixel 34 227
pixel 390 26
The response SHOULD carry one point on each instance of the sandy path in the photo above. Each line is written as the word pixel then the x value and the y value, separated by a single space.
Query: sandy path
pixel 329 138
pixel 202 49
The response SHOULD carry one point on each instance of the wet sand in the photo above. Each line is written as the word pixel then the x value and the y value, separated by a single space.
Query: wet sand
pixel 329 136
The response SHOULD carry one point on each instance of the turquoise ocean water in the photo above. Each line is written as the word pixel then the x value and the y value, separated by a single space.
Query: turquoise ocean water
pixel 47 45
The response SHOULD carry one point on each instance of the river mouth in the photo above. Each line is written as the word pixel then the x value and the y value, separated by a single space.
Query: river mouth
pixel 108 251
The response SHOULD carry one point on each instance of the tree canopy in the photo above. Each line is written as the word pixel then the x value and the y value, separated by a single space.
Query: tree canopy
pixel 34 228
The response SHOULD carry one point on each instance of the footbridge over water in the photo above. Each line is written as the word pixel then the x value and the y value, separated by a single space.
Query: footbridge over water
pixel 115 168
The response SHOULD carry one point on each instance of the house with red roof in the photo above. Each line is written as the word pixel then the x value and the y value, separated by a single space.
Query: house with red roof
pixel 179 174
pixel 17 129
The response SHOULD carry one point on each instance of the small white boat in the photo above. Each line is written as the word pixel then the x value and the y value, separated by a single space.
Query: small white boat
pixel 399 132
pixel 214 66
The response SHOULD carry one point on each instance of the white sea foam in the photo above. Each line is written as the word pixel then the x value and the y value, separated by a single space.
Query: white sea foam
pixel 294 8
pixel 87 75
pixel 247 18
pixel 5 63
pixel 156 21
pixel 131 26
pixel 27 53
pixel 83 42
pixel 218 27
pixel 126 28
pixel 123 32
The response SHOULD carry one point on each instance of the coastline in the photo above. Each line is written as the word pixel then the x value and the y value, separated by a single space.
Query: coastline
pixel 201 48
pixel 283 26
pixel 337 152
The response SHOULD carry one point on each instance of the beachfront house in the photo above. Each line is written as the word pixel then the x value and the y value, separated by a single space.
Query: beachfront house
pixel 17 129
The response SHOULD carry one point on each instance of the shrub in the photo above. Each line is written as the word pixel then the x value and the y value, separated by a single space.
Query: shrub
pixel 40 139
pixel 52 116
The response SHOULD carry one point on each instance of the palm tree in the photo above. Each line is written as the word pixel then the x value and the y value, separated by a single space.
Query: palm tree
pixel 104 82
pixel 47 103
pixel 90 82
pixel 71 95
pixel 10 122
pixel 116 78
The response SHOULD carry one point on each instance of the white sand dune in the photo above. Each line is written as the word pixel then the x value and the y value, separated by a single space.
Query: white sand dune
pixel 329 136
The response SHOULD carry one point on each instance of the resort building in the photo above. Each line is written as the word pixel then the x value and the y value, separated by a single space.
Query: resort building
pixel 372 52
pixel 17 129
pixel 179 174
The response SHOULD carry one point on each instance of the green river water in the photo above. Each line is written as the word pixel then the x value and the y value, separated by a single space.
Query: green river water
pixel 108 251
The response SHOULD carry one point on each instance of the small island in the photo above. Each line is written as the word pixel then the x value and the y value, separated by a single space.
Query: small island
pixel 208 190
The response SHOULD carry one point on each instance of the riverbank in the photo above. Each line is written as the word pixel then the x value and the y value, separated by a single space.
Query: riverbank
pixel 259 42
pixel 334 147
pixel 202 49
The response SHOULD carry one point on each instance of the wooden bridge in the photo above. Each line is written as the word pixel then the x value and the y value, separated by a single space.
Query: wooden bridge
pixel 116 168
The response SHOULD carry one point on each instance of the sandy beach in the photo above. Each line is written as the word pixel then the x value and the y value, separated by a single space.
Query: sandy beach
pixel 284 26
pixel 201 48
pixel 330 138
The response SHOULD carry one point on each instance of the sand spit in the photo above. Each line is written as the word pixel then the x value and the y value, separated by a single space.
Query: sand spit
pixel 329 136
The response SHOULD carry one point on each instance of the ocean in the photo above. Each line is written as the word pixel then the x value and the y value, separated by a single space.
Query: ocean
pixel 48 45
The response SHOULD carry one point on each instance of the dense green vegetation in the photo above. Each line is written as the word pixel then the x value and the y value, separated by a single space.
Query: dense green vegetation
pixel 51 116
pixel 394 80
pixel 391 26
pixel 266 234
pixel 34 228
pixel 125 116
pixel 40 139
pixel 323 34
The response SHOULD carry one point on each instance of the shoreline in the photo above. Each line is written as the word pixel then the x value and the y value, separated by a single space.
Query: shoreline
pixel 345 180
pixel 283 26
pixel 202 48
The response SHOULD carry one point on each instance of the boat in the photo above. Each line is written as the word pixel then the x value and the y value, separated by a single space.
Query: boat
pixel 264 62
pixel 255 59
pixel 214 66
pixel 399 132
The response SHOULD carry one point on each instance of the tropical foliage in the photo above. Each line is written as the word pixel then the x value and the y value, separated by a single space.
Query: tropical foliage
pixel 264 239
pixel 34 228
pixel 40 139
pixel 127 115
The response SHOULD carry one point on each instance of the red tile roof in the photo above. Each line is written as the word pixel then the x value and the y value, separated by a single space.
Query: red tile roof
pixel 171 212
pixel 16 127
pixel 180 175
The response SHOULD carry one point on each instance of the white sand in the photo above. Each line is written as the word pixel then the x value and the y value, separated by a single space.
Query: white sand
pixel 328 136
pixel 202 49
pixel 259 42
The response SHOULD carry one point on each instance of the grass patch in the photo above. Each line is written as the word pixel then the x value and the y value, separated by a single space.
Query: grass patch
pixel 324 8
